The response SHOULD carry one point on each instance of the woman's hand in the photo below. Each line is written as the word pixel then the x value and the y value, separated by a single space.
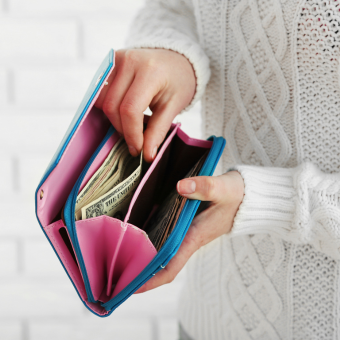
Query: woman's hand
pixel 225 193
pixel 157 78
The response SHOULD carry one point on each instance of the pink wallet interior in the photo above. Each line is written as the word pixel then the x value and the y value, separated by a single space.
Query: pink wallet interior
pixel 114 251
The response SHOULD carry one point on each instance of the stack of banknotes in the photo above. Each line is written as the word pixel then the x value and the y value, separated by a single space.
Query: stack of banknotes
pixel 163 221
pixel 110 189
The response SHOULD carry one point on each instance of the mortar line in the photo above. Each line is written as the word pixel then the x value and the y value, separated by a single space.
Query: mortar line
pixel 5 5
pixel 20 254
pixel 80 41
pixel 10 86
pixel 15 174
pixel 154 329
pixel 24 330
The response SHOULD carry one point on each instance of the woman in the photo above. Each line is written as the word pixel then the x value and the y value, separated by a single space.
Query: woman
pixel 266 252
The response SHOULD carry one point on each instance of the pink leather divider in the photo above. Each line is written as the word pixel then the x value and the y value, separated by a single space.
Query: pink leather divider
pixel 72 268
pixel 193 141
pixel 80 148
pixel 153 165
pixel 69 263
pixel 114 253
pixel 100 158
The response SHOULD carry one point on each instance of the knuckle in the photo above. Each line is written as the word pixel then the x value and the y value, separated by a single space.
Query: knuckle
pixel 108 107
pixel 128 109
pixel 209 188
pixel 153 65
pixel 170 276
pixel 131 56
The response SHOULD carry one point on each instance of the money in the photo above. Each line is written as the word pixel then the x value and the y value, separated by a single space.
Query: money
pixel 101 175
pixel 165 218
pixel 115 202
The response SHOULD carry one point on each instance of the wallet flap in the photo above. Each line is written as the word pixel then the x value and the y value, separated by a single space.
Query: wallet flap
pixel 97 82
pixel 75 142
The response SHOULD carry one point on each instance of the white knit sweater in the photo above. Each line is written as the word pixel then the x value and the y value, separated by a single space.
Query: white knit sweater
pixel 268 76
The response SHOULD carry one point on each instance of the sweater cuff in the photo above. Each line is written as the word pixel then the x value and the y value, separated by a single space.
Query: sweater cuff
pixel 192 51
pixel 269 201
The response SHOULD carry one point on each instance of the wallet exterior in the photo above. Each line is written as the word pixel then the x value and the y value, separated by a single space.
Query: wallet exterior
pixel 67 171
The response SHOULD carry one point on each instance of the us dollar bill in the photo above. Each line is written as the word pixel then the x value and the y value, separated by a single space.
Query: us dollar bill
pixel 101 175
pixel 116 201
pixel 105 183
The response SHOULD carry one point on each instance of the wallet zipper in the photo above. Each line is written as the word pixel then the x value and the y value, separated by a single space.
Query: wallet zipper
pixel 175 239
pixel 69 212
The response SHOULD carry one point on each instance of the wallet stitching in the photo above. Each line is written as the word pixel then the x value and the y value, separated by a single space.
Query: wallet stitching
pixel 62 254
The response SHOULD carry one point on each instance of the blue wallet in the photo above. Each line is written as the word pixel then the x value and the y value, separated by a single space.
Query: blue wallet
pixel 108 258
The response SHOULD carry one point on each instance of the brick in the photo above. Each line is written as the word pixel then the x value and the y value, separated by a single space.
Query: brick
pixel 31 170
pixel 36 131
pixel 97 43
pixel 19 220
pixel 168 329
pixel 6 175
pixel 92 328
pixel 34 39
pixel 62 6
pixel 58 88
pixel 10 330
pixel 8 257
pixel 39 298
pixel 3 87
pixel 40 260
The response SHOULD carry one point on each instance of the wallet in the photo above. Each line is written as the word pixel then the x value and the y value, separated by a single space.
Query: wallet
pixel 107 259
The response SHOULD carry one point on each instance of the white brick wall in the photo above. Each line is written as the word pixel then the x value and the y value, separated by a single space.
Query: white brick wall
pixel 49 51
pixel 38 38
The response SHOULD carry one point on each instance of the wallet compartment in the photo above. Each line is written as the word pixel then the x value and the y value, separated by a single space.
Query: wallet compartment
pixel 177 156
pixel 114 254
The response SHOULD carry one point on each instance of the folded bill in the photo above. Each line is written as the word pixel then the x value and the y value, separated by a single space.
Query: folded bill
pixel 108 191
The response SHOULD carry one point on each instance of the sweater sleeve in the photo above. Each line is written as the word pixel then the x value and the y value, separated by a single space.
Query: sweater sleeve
pixel 301 205
pixel 171 25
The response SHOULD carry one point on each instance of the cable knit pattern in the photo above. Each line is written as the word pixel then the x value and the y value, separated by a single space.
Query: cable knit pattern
pixel 274 94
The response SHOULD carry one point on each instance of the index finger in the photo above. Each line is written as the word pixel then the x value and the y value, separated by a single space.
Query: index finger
pixel 135 102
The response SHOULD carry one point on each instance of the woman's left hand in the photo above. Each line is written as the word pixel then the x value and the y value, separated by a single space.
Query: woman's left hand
pixel 225 193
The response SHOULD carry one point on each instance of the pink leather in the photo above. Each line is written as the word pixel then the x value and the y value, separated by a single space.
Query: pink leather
pixel 100 158
pixel 153 165
pixel 193 141
pixel 53 234
pixel 82 145
pixel 113 252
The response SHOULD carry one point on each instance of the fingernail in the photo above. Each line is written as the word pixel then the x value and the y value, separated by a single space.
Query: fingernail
pixel 133 151
pixel 154 153
pixel 186 186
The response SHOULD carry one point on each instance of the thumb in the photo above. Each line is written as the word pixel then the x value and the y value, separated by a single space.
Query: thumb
pixel 204 188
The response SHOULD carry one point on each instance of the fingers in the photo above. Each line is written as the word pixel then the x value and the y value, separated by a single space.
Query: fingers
pixel 157 128
pixel 168 274
pixel 202 188
pixel 115 94
pixel 207 226
pixel 100 100
pixel 136 101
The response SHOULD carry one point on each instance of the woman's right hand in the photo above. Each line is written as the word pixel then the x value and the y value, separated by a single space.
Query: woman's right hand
pixel 157 78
